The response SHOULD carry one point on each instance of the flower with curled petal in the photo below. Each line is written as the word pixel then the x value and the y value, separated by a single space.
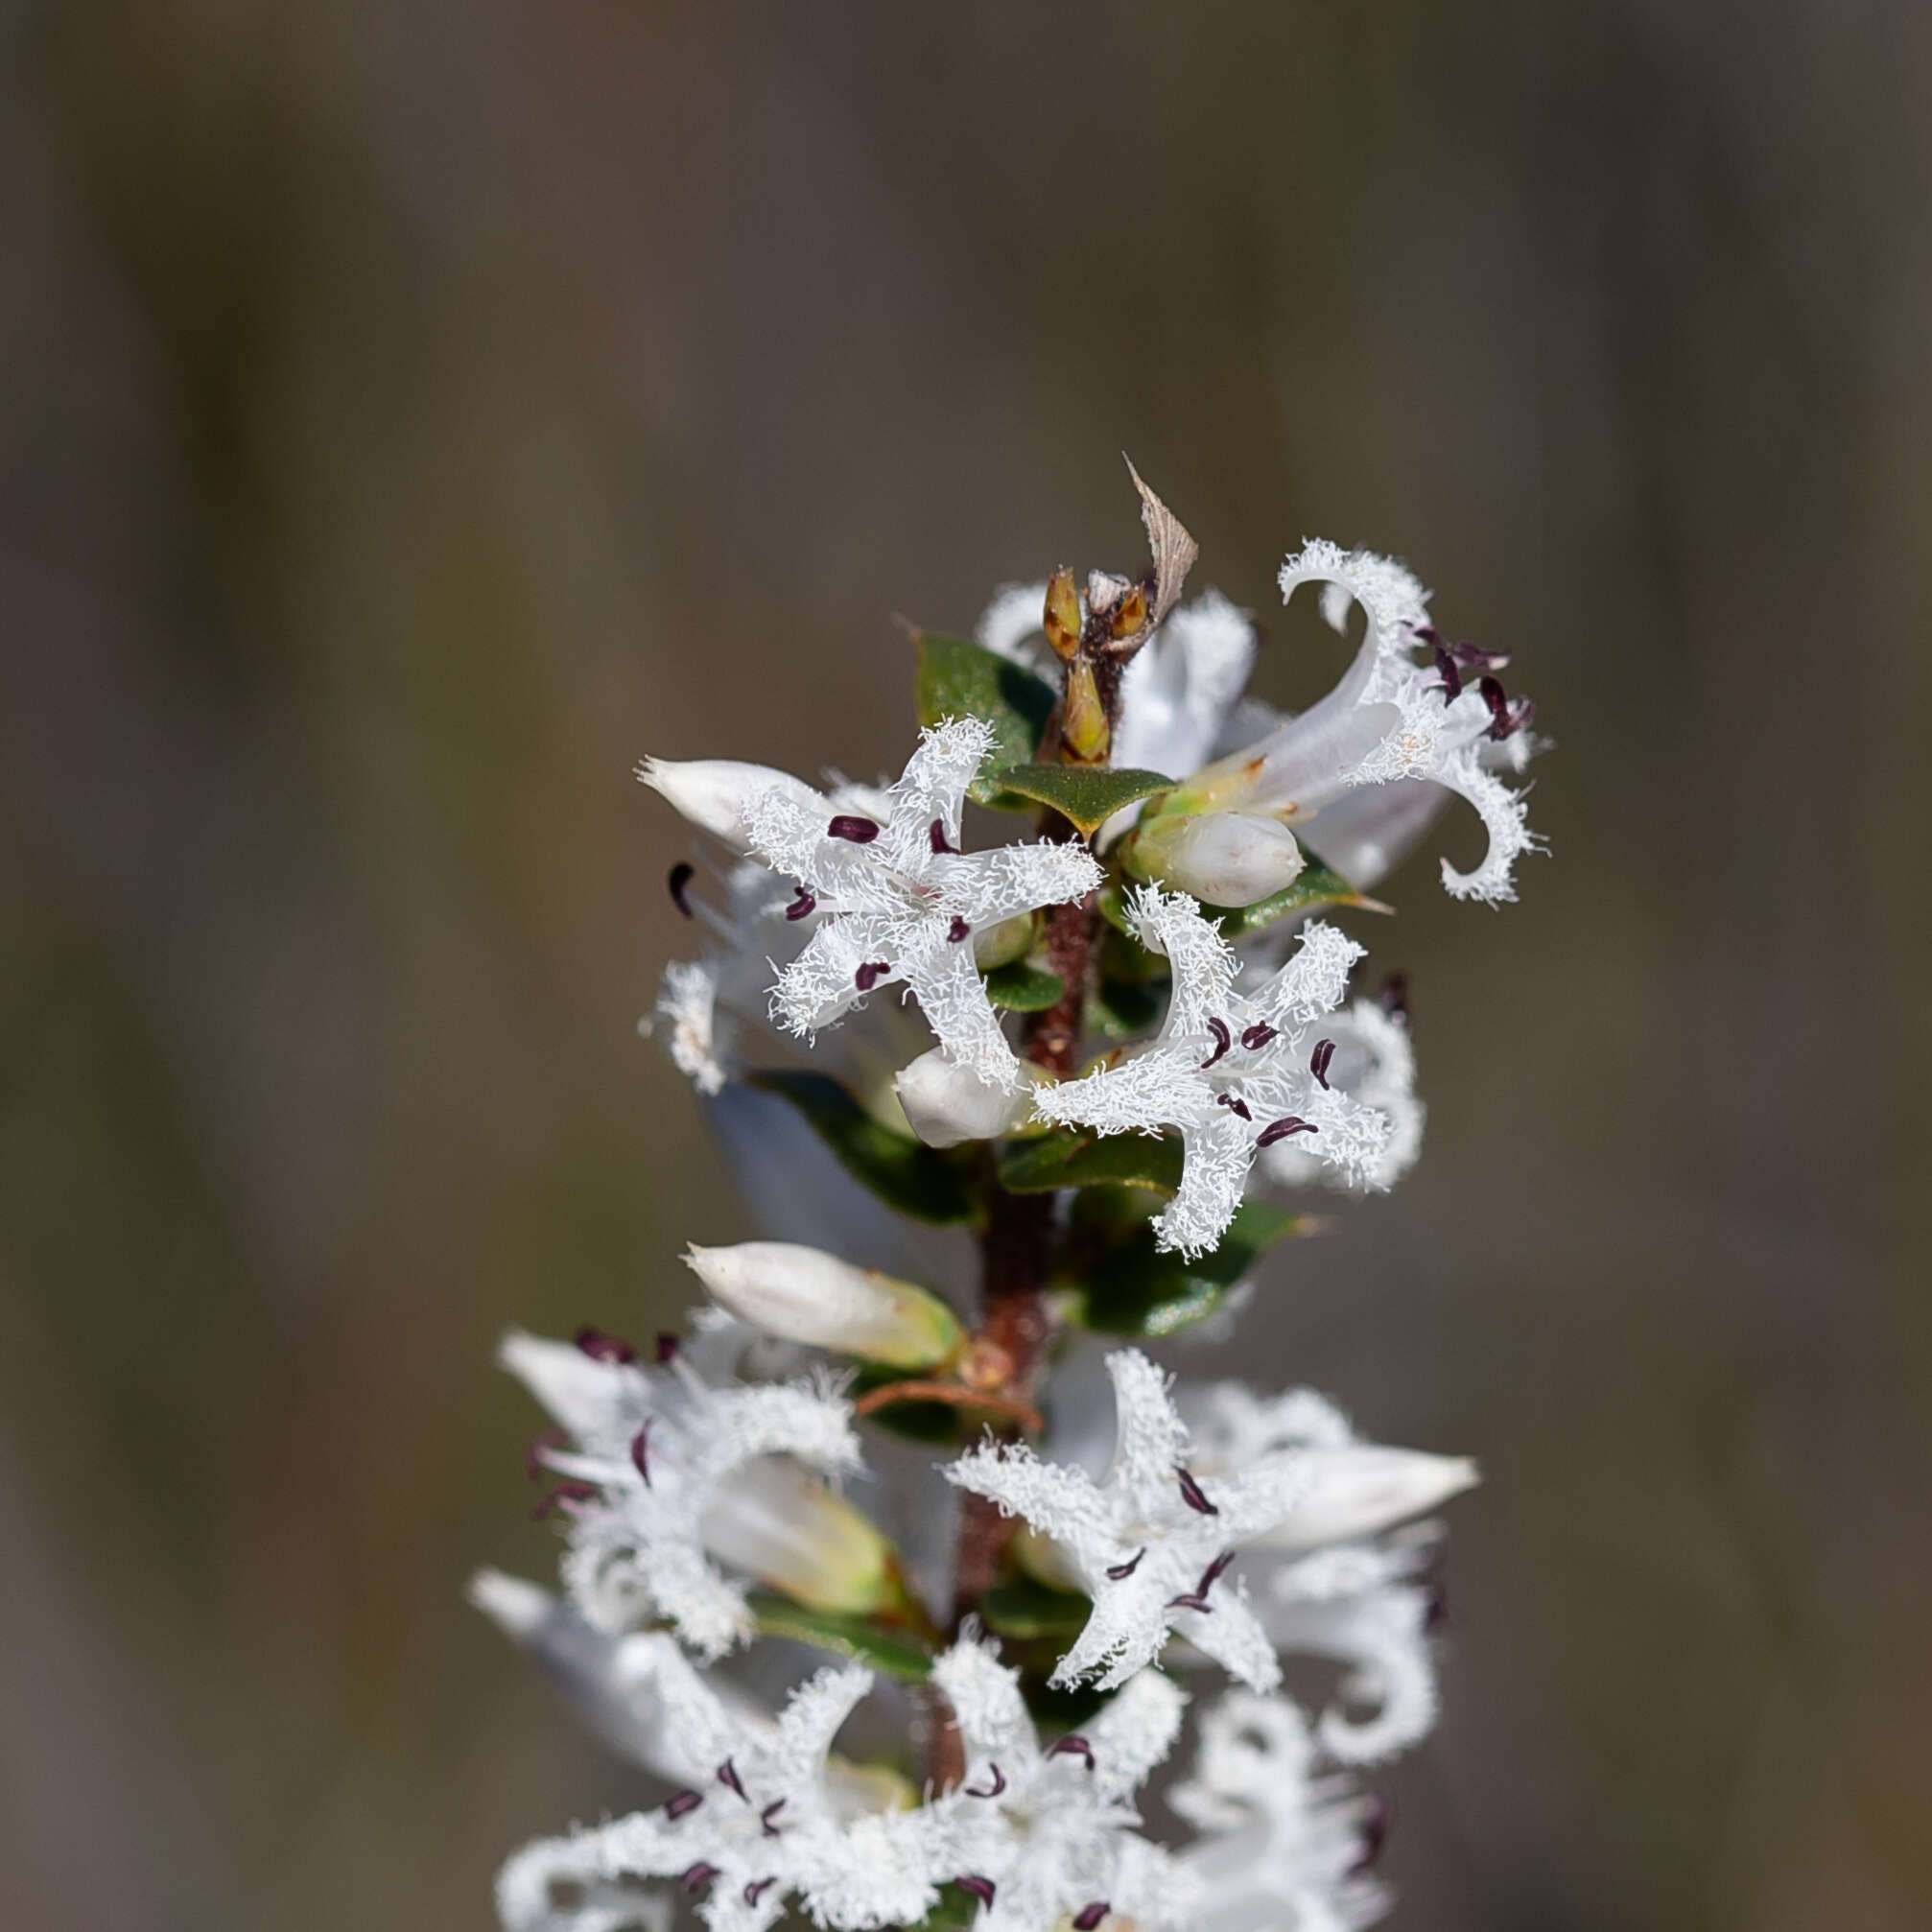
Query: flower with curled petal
pixel 1234 1072
pixel 1390 718
pixel 769 1825
pixel 898 902
pixel 1149 1543
pixel 661 1467
pixel 1281 1845
pixel 1054 1832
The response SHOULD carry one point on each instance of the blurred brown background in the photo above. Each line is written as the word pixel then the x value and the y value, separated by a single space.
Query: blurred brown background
pixel 414 413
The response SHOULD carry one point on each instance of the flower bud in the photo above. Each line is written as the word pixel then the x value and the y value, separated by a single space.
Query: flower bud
pixel 1083 721
pixel 1003 942
pixel 1061 621
pixel 779 1523
pixel 713 793
pixel 1223 858
pixel 1364 1488
pixel 945 1103
pixel 806 1295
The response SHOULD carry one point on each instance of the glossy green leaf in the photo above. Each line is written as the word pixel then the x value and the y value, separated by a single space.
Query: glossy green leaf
pixel 894 1651
pixel 1138 1290
pixel 1087 795
pixel 1317 887
pixel 1119 1010
pixel 906 1174
pixel 1076 1157
pixel 1022 1608
pixel 959 679
pixel 1022 988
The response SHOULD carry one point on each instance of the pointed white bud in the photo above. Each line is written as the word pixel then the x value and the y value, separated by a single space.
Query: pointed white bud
pixel 806 1295
pixel 1222 858
pixel 1362 1489
pixel 778 1521
pixel 945 1103
pixel 714 793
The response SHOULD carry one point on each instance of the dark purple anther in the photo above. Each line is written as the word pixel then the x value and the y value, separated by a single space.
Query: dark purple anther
pixel 694 1876
pixel 1091 1915
pixel 993 1790
pixel 533 1458
pixel 1192 1600
pixel 1318 1062
pixel 665 1345
pixel 639 1452
pixel 1451 686
pixel 727 1776
pixel 682 1804
pixel 681 875
pixel 958 929
pixel 758 1886
pixel 936 836
pixel 770 1812
pixel 1197 1598
pixel 870 974
pixel 1257 1035
pixel 1280 1130
pixel 1435 1606
pixel 602 1348
pixel 1120 1571
pixel 1374 1831
pixel 1224 1040
pixel 1394 997
pixel 1073 1745
pixel 1234 1104
pixel 849 825
pixel 983 1889
pixel 1505 718
pixel 564 1495
pixel 1192 1494
pixel 802 907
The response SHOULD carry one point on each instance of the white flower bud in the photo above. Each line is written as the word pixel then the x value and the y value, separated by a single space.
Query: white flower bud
pixel 778 1521
pixel 945 1103
pixel 714 792
pixel 806 1295
pixel 1362 1489
pixel 1222 858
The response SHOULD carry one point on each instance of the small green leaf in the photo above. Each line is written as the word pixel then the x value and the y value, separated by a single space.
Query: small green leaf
pixel 959 679
pixel 905 1173
pixel 1026 1609
pixel 1022 988
pixel 1076 1157
pixel 1087 795
pixel 895 1652
pixel 1119 1010
pixel 1317 887
pixel 1137 1290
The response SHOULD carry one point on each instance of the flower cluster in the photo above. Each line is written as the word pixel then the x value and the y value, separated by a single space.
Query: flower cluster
pixel 1104 1049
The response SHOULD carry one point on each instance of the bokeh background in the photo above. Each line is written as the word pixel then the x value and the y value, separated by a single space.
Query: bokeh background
pixel 410 413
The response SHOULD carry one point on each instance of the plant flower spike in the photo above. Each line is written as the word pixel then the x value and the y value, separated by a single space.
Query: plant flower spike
pixel 880 1691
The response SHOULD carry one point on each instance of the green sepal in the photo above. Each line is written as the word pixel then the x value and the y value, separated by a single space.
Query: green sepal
pixel 1076 1157
pixel 1138 1290
pixel 1086 795
pixel 959 679
pixel 1317 886
pixel 1022 1608
pixel 895 1652
pixel 906 1174
pixel 1021 988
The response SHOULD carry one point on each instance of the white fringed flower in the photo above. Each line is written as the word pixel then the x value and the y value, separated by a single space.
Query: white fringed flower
pixel 1234 1072
pixel 651 1478
pixel 1052 1834
pixel 1390 718
pixel 898 902
pixel 1374 1063
pixel 1149 1542
pixel 767 1826
pixel 1281 1845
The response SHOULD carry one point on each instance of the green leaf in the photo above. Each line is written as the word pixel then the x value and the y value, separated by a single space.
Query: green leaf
pixel 905 1173
pixel 1022 1608
pixel 959 679
pixel 1076 1157
pixel 1086 795
pixel 1137 1290
pixel 895 1651
pixel 1317 887
pixel 1119 1010
pixel 1022 988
